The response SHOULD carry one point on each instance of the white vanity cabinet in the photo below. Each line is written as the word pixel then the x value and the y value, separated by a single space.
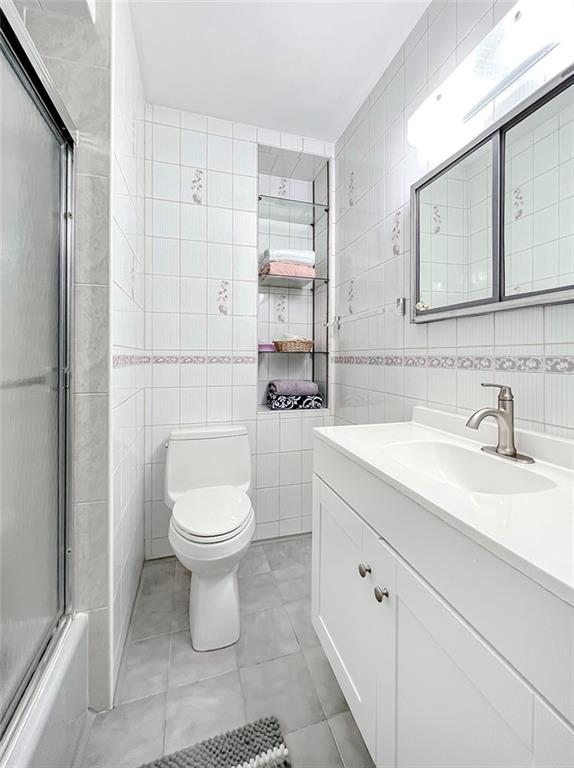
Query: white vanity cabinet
pixel 354 627
pixel 425 687
pixel 455 703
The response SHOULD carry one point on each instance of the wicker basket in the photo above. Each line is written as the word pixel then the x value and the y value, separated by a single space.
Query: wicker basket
pixel 294 346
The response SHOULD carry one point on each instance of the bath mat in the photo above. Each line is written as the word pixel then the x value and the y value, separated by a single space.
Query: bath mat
pixel 256 745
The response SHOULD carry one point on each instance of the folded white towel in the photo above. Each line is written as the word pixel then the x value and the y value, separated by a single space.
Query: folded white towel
pixel 293 337
pixel 291 255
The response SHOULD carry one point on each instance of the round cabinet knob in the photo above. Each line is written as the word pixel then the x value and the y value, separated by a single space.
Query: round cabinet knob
pixel 364 569
pixel 381 593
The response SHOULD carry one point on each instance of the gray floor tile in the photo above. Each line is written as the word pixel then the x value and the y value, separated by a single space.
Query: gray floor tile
pixel 182 576
pixel 204 709
pixel 265 635
pixel 254 562
pixel 161 611
pixel 205 694
pixel 281 554
pixel 152 616
pixel 158 576
pixel 180 609
pixel 282 687
pixel 188 666
pixel 313 747
pixel 144 669
pixel 127 735
pixel 328 690
pixel 258 592
pixel 350 742
pixel 299 613
pixel 293 571
pixel 296 588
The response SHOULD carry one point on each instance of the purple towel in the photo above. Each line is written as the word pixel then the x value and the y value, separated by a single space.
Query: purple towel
pixel 293 387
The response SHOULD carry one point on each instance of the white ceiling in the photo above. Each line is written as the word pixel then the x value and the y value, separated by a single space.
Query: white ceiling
pixel 298 67
pixel 292 165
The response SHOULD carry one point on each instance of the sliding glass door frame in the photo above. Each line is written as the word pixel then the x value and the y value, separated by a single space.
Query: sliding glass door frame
pixel 21 54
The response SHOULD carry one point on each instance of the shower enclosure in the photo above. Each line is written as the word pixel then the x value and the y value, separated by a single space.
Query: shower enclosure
pixel 35 205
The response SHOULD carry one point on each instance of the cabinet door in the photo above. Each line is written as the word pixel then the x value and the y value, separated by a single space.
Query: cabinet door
pixel 553 739
pixel 457 705
pixel 343 604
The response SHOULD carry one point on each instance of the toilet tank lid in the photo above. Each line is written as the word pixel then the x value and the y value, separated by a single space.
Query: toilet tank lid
pixel 204 433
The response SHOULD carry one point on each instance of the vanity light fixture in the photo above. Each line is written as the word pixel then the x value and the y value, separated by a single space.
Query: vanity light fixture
pixel 532 44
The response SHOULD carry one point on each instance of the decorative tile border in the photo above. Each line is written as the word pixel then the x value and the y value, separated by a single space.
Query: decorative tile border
pixel 527 364
pixel 124 361
pixel 559 364
pixel 521 364
pixel 562 364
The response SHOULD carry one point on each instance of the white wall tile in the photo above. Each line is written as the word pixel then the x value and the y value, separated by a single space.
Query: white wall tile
pixel 219 153
pixel 193 222
pixel 202 197
pixel 245 158
pixel 193 149
pixel 166 181
pixel 166 144
pixel 165 219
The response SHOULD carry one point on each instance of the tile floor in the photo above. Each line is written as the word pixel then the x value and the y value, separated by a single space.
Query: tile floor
pixel 169 696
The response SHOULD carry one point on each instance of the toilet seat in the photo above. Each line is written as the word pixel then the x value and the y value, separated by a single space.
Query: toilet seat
pixel 213 514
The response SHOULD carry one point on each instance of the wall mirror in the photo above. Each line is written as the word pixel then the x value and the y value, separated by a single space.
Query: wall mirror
pixel 493 227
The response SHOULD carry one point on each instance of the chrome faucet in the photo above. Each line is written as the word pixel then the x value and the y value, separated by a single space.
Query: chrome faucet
pixel 504 416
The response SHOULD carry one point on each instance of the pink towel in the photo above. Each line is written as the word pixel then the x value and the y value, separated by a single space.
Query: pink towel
pixel 286 269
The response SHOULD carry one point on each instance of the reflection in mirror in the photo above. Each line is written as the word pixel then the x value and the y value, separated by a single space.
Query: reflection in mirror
pixel 455 215
pixel 539 199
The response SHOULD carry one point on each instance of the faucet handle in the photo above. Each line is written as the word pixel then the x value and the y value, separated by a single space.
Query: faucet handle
pixel 505 391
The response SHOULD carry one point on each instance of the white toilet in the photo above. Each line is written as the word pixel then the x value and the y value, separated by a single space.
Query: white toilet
pixel 207 476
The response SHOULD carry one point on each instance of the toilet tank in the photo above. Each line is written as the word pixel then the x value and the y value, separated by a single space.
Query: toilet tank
pixel 205 456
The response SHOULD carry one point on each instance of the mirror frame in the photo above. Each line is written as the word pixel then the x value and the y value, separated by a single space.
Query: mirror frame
pixel 498 300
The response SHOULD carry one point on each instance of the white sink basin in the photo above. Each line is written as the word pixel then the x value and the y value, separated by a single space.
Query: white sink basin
pixel 521 512
pixel 473 471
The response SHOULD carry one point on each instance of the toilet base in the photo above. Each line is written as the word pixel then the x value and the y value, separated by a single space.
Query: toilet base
pixel 214 610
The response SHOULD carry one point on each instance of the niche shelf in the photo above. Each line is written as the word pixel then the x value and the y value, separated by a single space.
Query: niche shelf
pixel 284 281
pixel 291 211
pixel 282 221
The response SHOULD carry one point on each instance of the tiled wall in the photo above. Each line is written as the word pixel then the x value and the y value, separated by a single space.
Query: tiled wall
pixel 127 326
pixel 384 364
pixel 77 54
pixel 201 299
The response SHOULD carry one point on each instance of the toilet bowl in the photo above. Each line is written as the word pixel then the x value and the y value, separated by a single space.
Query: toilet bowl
pixel 208 474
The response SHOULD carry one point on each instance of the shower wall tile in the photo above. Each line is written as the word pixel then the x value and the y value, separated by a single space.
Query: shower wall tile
pixel 91 563
pixel 86 93
pixel 92 246
pixel 90 447
pixel 91 347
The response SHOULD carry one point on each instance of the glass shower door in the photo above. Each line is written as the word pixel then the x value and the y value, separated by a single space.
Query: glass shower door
pixel 32 426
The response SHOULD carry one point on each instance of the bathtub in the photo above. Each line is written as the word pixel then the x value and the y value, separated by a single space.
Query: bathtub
pixel 51 728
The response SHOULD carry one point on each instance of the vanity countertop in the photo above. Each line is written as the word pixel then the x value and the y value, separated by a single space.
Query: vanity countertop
pixel 529 523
